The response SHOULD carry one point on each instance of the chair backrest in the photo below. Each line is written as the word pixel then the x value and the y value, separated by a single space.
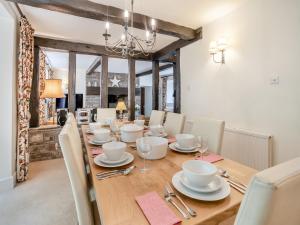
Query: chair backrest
pixel 75 138
pixel 77 178
pixel 105 113
pixel 273 197
pixel 213 130
pixel 156 117
pixel 174 123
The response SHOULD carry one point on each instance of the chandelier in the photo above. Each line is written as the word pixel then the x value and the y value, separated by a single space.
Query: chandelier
pixel 129 44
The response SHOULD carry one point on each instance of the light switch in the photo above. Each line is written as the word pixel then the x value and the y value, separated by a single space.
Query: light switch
pixel 274 80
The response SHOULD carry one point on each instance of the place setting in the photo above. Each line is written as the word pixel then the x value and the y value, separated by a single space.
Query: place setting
pixel 100 137
pixel 200 180
pixel 157 131
pixel 114 155
pixel 188 143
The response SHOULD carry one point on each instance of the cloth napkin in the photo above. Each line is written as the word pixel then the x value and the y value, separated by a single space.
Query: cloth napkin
pixel 171 140
pixel 96 151
pixel 156 210
pixel 210 158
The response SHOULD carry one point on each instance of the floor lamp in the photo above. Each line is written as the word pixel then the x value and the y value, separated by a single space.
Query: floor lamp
pixel 53 89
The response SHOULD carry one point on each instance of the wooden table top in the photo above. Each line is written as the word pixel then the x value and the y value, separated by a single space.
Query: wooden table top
pixel 116 196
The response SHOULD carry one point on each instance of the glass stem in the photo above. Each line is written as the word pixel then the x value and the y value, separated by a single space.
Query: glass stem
pixel 144 162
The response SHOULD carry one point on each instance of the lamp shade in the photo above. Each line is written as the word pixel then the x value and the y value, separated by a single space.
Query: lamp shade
pixel 121 106
pixel 53 89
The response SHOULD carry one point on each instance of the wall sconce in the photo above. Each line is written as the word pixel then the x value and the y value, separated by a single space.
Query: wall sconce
pixel 218 47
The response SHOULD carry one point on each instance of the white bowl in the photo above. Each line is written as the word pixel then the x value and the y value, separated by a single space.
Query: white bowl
pixel 185 140
pixel 139 122
pixel 199 173
pixel 94 126
pixel 157 130
pixel 159 147
pixel 101 134
pixel 114 150
pixel 131 132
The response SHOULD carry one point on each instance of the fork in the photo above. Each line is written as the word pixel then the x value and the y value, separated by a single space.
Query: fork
pixel 168 198
pixel 171 192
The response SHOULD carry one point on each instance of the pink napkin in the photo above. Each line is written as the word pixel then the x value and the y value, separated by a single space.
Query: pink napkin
pixel 171 140
pixel 96 151
pixel 210 158
pixel 156 210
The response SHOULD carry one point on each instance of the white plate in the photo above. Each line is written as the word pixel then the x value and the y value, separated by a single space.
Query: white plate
pixel 149 133
pixel 222 193
pixel 105 160
pixel 89 131
pixel 215 185
pixel 185 149
pixel 99 143
pixel 98 162
pixel 172 146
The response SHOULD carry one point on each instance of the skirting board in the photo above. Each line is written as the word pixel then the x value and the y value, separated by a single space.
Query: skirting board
pixel 7 183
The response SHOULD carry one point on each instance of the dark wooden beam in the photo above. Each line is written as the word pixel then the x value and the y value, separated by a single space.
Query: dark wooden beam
pixel 155 84
pixel 177 83
pixel 104 83
pixel 131 89
pixel 91 10
pixel 142 100
pixel 148 72
pixel 35 91
pixel 177 45
pixel 94 66
pixel 80 48
pixel 72 82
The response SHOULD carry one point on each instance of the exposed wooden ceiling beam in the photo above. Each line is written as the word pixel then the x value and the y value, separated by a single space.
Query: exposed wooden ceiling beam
pixel 80 48
pixel 161 68
pixel 97 11
pixel 176 45
pixel 94 66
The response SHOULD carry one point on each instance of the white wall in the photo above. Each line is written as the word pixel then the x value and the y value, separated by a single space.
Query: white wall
pixel 8 46
pixel 264 42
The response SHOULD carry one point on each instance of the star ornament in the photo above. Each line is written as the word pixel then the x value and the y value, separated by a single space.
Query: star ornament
pixel 115 82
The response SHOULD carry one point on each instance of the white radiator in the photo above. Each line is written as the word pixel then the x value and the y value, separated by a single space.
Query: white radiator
pixel 251 149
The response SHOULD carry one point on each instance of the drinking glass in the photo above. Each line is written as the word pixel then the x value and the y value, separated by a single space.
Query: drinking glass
pixel 115 128
pixel 145 149
pixel 203 142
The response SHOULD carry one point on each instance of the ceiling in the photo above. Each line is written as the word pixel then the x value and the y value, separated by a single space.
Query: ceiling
pixel 190 13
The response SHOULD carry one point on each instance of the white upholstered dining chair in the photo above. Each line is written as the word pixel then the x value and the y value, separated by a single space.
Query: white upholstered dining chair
pixel 212 129
pixel 106 113
pixel 77 178
pixel 273 197
pixel 174 123
pixel 156 117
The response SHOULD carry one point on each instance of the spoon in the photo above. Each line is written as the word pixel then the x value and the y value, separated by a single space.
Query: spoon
pixel 225 174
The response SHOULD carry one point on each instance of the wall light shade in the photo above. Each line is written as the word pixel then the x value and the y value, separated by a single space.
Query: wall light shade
pixel 213 47
pixel 218 47
pixel 53 89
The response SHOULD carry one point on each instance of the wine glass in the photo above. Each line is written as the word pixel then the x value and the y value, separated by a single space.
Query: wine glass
pixel 115 128
pixel 203 142
pixel 145 149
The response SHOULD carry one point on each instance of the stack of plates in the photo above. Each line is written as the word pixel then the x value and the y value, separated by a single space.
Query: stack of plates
pixel 102 160
pixel 216 190
pixel 175 147
pixel 96 142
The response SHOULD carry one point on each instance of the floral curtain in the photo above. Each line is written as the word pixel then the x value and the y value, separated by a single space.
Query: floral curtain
pixel 25 72
pixel 42 75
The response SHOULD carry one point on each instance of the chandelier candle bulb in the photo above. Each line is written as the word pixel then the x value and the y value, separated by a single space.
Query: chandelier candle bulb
pixel 107 27
pixel 147 35
pixel 126 14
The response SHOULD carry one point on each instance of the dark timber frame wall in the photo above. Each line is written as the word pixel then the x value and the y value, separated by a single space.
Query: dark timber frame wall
pixel 131 89
pixel 103 83
pixel 35 91
pixel 91 10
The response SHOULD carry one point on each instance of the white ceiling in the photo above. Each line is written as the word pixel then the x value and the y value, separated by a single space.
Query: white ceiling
pixel 190 13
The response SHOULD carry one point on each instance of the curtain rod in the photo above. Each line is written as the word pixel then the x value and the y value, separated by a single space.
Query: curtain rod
pixel 19 10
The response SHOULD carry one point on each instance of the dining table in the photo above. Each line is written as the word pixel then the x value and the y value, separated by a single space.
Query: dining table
pixel 116 196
